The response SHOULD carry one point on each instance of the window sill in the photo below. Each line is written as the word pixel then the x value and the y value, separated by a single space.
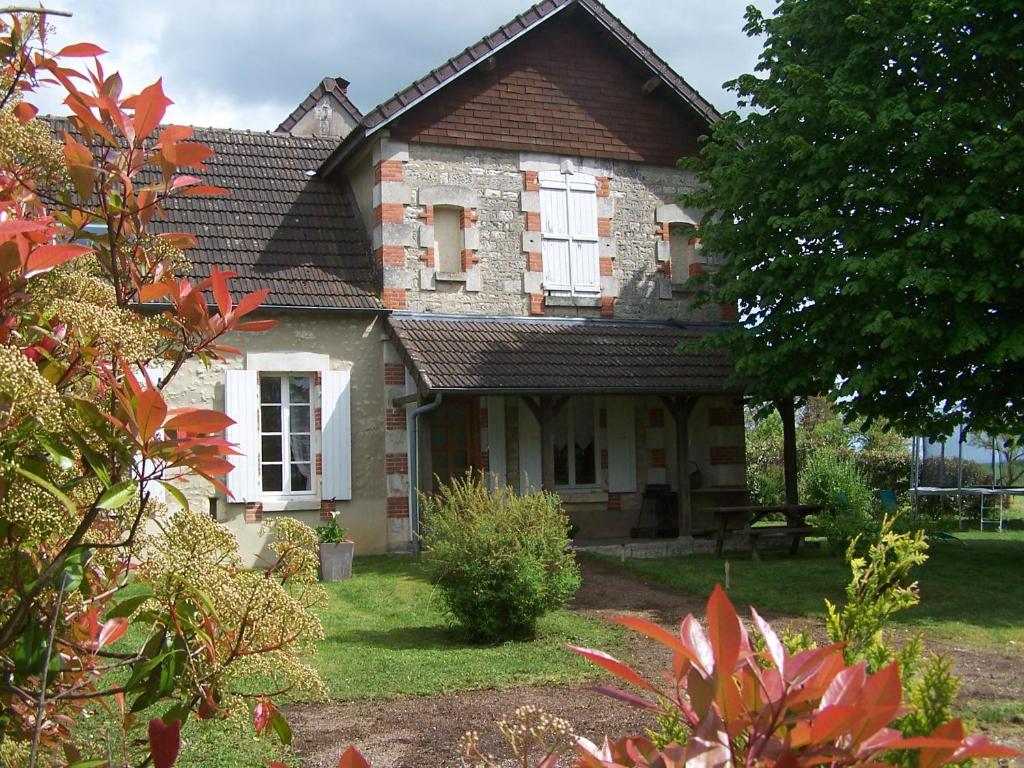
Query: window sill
pixel 556 300
pixel 290 503
pixel 583 495
pixel 450 277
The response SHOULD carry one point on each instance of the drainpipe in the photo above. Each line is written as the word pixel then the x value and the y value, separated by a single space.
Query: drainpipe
pixel 414 468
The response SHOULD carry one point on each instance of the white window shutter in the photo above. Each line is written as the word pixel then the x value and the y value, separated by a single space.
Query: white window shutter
pixel 621 445
pixel 585 262
pixel 496 439
pixel 531 463
pixel 557 274
pixel 336 435
pixel 554 218
pixel 586 267
pixel 241 403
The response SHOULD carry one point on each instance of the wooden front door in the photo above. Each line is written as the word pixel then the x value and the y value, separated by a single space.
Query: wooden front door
pixel 454 440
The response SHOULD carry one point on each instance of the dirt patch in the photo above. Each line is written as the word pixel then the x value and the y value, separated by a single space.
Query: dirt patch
pixel 420 731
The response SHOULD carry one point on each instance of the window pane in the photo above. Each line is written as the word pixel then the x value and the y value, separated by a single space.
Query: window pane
pixel 561 434
pixel 271 418
pixel 272 477
pixel 298 419
pixel 583 436
pixel 270 389
pixel 301 480
pixel 272 448
pixel 298 389
pixel 299 446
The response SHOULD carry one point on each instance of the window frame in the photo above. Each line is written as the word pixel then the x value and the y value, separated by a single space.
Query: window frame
pixel 569 409
pixel 568 183
pixel 286 494
pixel 460 241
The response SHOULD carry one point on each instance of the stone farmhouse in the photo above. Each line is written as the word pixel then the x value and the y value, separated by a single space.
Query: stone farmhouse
pixel 487 271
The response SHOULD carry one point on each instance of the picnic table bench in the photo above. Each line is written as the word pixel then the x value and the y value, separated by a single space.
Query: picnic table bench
pixel 742 519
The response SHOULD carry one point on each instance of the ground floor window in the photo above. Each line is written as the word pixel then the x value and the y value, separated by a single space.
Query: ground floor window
pixel 575 443
pixel 286 432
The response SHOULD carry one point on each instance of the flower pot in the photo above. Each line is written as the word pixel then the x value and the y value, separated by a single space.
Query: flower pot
pixel 336 561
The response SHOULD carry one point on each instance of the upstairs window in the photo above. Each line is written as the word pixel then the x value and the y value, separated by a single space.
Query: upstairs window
pixel 449 239
pixel 685 252
pixel 568 218
pixel 286 434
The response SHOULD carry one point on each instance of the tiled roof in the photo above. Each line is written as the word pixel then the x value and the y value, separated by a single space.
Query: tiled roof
pixel 492 354
pixel 483 49
pixel 280 227
pixel 336 87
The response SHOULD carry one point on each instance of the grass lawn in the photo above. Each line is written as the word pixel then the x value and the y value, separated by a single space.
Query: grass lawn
pixel 971 593
pixel 386 637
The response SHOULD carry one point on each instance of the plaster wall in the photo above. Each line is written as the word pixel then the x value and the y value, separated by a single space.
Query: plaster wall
pixel 353 343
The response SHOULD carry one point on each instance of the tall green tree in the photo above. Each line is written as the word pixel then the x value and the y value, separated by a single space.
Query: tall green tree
pixel 869 212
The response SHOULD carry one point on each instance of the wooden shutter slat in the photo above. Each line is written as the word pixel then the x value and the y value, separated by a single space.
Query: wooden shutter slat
pixel 336 435
pixel 241 403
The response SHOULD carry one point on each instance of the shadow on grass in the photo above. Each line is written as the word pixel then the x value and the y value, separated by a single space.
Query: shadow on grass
pixel 405 638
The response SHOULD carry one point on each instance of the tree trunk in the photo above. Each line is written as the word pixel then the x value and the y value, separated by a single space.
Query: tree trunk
pixel 681 407
pixel 788 413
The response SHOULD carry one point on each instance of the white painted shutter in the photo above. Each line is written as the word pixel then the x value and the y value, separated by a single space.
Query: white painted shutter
pixel 336 435
pixel 241 403
pixel 585 263
pixel 531 462
pixel 621 445
pixel 554 218
pixel 496 439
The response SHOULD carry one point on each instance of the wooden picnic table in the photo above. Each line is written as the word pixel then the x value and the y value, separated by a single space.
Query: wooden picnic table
pixel 742 519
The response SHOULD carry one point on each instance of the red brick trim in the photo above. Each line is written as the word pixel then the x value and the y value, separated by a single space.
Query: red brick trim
pixel 725 417
pixel 532 221
pixel 327 510
pixel 604 227
pixel 427 214
pixel 394 374
pixel 658 458
pixel 607 306
pixel 727 454
pixel 602 186
pixel 469 259
pixel 468 218
pixel 390 213
pixel 534 262
pixel 604 458
pixel 394 419
pixel 319 418
pixel 531 181
pixel 729 313
pixel 319 464
pixel 665 268
pixel 695 269
pixel 606 266
pixel 614 502
pixel 428 257
pixel 536 303
pixel 390 256
pixel 396 464
pixel 389 170
pixel 398 506
pixel 485 461
pixel 254 512
pixel 393 298
pixel 665 230
pixel 656 418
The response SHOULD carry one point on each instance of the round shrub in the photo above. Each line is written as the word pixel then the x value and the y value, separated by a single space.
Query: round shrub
pixel 500 560
pixel 842 490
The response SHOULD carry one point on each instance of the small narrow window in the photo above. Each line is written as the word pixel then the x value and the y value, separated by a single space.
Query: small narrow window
pixel 683 248
pixel 286 432
pixel 448 238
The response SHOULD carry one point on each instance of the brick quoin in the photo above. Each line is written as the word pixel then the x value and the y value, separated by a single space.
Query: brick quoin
pixel 606 266
pixel 390 256
pixel 468 218
pixel 254 512
pixel 319 417
pixel 327 510
pixel 658 457
pixel 563 88
pixel 534 261
pixel 602 186
pixel 389 170
pixel 695 269
pixel 727 454
pixel 398 506
pixel 725 417
pixel 666 269
pixel 607 306
pixel 428 257
pixel 469 259
pixel 396 464
pixel 427 214
pixel 531 181
pixel 604 227
pixel 656 418
pixel 393 298
pixel 390 213
pixel 604 458
pixel 536 303
pixel 394 419
pixel 729 313
pixel 319 464
pixel 614 502
pixel 532 222
pixel 394 374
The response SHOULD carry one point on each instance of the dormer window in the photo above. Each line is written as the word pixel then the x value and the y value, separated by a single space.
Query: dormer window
pixel 449 239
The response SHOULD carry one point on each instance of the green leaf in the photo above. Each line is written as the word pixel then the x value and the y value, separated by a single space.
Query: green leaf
pixel 29 652
pixel 118 495
pixel 128 606
pixel 172 489
pixel 281 727
pixel 49 487
pixel 59 452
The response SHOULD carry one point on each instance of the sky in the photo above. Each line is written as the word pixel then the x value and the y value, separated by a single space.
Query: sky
pixel 248 63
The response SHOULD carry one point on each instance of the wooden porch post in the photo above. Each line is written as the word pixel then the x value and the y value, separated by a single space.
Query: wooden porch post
pixel 681 407
pixel 544 410
pixel 787 411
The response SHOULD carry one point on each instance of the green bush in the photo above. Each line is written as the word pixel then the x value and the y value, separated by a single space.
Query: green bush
pixel 500 560
pixel 842 490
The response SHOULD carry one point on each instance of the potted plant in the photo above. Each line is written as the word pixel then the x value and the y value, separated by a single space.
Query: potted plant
pixel 336 551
